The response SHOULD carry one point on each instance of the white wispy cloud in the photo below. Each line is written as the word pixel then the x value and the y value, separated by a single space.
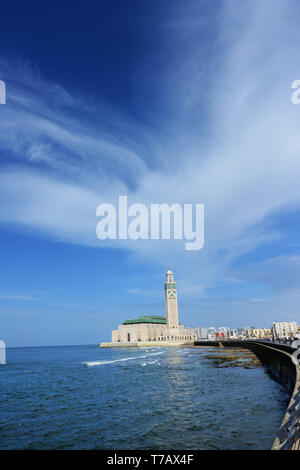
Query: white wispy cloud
pixel 16 297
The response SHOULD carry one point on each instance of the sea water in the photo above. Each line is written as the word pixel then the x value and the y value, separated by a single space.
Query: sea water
pixel 84 397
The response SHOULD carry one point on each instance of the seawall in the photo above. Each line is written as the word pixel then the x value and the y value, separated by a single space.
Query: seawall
pixel 280 360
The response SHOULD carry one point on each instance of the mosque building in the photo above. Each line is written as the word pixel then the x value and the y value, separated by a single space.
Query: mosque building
pixel 154 327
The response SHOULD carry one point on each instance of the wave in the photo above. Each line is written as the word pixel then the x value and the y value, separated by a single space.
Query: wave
pixel 150 362
pixel 156 353
pixel 100 363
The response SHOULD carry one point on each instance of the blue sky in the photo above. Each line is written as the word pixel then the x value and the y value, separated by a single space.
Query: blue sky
pixel 164 102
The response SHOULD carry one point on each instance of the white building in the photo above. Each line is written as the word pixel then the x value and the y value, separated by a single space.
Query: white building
pixel 282 329
pixel 200 332
pixel 233 334
pixel 211 333
pixel 225 330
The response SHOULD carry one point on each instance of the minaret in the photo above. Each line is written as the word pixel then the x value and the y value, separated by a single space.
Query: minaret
pixel 171 305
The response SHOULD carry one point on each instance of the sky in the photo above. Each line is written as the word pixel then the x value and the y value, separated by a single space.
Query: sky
pixel 165 102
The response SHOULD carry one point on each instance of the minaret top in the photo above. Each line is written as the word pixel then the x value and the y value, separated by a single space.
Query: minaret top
pixel 169 276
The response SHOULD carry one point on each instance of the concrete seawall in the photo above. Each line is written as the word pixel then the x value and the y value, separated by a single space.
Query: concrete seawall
pixel 279 359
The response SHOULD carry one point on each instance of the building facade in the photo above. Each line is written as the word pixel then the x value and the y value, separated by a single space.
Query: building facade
pixel 154 327
pixel 200 332
pixel 211 333
pixel 283 329
pixel 225 330
pixel 262 333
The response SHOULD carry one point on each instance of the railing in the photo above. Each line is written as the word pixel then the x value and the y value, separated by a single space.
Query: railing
pixel 288 437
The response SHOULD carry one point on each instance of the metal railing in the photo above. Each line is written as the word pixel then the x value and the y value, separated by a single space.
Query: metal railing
pixel 288 437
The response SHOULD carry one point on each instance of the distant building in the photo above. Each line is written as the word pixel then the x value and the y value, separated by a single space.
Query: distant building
pixel 220 335
pixel 200 332
pixel 262 333
pixel 154 327
pixel 283 329
pixel 211 333
pixel 225 330
pixel 248 331
pixel 233 334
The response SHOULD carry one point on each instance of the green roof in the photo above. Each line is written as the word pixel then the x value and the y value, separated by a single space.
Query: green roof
pixel 146 319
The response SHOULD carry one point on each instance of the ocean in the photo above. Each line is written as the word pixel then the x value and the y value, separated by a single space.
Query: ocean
pixel 84 397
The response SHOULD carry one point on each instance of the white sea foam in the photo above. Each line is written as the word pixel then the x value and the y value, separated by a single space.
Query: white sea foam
pixel 143 364
pixel 100 363
pixel 156 353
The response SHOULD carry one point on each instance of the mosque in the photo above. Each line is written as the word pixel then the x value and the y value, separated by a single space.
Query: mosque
pixel 154 327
